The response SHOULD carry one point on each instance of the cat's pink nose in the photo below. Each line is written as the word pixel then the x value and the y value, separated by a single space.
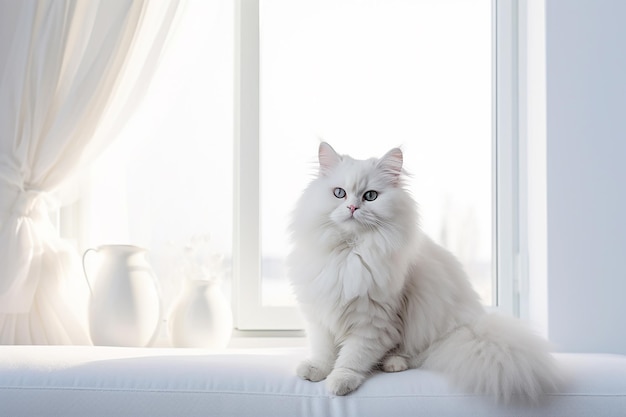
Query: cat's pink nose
pixel 352 208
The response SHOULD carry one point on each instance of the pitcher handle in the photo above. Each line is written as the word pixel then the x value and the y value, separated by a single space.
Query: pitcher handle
pixel 85 269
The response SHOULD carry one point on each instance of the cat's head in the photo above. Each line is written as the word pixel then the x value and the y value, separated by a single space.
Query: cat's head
pixel 356 196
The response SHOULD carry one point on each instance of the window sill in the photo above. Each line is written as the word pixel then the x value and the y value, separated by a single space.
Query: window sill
pixel 267 339
pixel 259 339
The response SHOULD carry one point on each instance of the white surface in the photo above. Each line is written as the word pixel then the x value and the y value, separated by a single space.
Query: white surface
pixel 586 146
pixel 532 160
pixel 79 381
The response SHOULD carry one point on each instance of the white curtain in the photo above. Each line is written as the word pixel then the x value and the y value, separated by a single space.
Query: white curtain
pixel 71 72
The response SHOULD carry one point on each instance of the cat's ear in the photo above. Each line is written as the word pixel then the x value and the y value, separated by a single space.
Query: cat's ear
pixel 328 158
pixel 391 165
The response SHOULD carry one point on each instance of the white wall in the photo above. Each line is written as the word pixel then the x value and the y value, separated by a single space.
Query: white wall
pixel 586 174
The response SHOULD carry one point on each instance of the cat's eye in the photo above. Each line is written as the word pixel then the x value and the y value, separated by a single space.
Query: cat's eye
pixel 339 192
pixel 370 195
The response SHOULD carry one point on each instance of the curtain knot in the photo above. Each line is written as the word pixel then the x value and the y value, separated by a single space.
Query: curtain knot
pixel 31 203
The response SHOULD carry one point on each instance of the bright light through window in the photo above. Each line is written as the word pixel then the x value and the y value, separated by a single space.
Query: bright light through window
pixel 367 76
pixel 364 75
pixel 168 177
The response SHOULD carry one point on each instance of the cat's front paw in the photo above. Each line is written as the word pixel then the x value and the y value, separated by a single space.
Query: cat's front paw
pixel 342 381
pixel 313 370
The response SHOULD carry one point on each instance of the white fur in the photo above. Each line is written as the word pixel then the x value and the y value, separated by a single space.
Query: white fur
pixel 377 292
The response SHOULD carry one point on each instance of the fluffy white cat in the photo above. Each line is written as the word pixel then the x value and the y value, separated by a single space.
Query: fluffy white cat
pixel 377 293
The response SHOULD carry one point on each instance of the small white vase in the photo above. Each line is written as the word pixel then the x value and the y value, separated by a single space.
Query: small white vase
pixel 201 317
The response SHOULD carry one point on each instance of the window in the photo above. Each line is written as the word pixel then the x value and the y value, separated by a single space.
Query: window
pixel 434 76
pixel 366 76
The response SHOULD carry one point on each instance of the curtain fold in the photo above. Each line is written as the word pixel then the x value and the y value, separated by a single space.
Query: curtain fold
pixel 71 73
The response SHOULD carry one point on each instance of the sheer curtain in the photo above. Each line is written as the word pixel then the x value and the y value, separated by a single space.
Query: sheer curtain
pixel 71 72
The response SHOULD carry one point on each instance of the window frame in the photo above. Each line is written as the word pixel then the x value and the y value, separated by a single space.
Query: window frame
pixel 249 313
pixel 248 310
pixel 506 154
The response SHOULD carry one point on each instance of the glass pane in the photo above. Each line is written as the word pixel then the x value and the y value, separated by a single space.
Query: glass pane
pixel 367 76
pixel 167 181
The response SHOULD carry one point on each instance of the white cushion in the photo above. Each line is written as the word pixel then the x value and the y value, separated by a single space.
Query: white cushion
pixel 107 381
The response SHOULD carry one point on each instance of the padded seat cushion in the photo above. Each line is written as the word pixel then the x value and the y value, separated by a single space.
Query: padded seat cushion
pixel 112 381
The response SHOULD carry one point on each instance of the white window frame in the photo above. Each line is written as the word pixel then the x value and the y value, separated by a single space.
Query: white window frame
pixel 506 147
pixel 250 313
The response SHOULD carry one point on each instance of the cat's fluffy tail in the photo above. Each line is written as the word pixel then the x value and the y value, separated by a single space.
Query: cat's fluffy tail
pixel 497 356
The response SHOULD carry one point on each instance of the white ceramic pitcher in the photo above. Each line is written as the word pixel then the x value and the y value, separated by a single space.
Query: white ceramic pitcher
pixel 125 306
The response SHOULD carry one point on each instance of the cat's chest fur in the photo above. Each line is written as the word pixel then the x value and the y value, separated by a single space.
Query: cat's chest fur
pixel 350 286
pixel 353 268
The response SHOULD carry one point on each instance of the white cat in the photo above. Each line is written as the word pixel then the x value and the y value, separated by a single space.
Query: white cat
pixel 377 293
